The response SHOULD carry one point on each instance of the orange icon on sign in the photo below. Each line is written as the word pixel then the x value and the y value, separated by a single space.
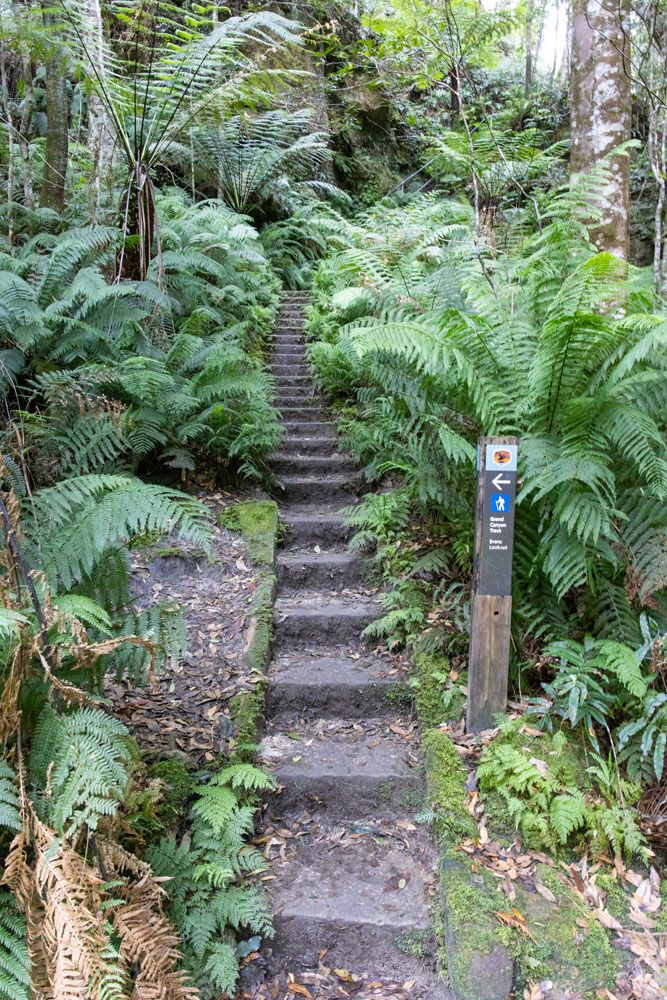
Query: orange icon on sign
pixel 501 457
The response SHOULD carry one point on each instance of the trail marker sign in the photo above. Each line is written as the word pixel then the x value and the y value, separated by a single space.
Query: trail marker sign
pixel 491 612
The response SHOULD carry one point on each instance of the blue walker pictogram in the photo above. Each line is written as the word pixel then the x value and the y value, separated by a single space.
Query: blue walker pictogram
pixel 500 503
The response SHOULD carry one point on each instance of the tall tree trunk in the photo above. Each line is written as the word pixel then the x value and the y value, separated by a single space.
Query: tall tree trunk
pixel 25 128
pixel 56 153
pixel 7 111
pixel 530 14
pixel 99 135
pixel 454 91
pixel 601 111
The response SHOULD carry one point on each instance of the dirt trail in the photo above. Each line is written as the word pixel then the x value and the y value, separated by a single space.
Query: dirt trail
pixel 353 880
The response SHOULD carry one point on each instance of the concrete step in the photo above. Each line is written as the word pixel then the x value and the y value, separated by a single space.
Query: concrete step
pixel 330 570
pixel 328 684
pixel 322 618
pixel 318 528
pixel 287 463
pixel 318 488
pixel 346 769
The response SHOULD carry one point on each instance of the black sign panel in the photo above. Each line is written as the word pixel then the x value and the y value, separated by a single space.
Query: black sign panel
pixel 498 471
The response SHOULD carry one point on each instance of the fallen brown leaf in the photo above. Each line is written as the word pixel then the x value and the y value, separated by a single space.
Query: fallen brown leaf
pixel 301 990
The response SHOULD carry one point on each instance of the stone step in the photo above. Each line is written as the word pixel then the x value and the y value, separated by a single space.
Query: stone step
pixel 297 390
pixel 290 354
pixel 329 684
pixel 330 488
pixel 356 903
pixel 346 769
pixel 288 463
pixel 308 444
pixel 297 400
pixel 307 425
pixel 322 618
pixel 307 570
pixel 318 528
pixel 294 378
pixel 300 417
pixel 290 370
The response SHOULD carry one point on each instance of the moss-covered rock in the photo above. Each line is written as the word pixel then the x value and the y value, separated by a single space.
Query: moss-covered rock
pixel 436 701
pixel 479 958
pixel 257 520
pixel 446 784
pixel 571 947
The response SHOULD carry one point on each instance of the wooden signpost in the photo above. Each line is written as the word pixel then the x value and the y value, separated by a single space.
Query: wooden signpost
pixel 491 612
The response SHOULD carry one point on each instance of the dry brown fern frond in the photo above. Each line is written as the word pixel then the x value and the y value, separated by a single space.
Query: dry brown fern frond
pixel 149 942
pixel 73 932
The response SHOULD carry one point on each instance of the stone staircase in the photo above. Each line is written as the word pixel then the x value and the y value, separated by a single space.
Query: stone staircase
pixel 354 887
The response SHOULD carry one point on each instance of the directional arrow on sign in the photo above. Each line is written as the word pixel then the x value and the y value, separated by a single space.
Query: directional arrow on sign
pixel 499 482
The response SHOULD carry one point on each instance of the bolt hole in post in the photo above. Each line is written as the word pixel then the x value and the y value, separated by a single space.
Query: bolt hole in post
pixel 491 613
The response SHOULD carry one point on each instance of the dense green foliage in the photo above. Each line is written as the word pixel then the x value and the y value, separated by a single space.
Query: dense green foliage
pixel 426 344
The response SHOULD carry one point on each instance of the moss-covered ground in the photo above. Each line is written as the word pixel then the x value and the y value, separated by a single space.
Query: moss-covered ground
pixel 568 945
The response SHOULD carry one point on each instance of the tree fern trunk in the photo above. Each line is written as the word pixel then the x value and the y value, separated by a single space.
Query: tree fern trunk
pixel 138 224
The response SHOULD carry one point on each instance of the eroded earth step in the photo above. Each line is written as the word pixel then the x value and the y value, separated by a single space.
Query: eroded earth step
pixel 322 617
pixel 360 892
pixel 336 682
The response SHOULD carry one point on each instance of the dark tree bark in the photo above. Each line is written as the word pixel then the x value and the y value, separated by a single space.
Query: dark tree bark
pixel 56 153
pixel 601 110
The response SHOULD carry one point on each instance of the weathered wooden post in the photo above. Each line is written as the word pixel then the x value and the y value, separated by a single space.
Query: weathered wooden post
pixel 491 612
